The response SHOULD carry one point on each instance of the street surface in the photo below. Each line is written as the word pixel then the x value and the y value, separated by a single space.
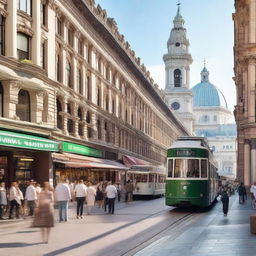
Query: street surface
pixel 138 228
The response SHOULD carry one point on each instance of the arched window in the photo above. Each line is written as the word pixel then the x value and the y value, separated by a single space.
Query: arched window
pixel 79 81
pixel 23 106
pixel 68 75
pixel 70 121
pixel 1 101
pixel 80 125
pixel 59 116
pixel 177 78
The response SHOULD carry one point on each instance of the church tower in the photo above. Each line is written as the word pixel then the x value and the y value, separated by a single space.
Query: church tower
pixel 177 68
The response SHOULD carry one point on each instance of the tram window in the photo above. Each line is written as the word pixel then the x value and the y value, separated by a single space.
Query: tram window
pixel 203 168
pixel 161 179
pixel 179 168
pixel 141 178
pixel 170 167
pixel 193 168
pixel 151 177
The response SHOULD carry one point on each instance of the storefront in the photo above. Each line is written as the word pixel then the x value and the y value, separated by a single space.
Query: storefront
pixel 81 162
pixel 24 157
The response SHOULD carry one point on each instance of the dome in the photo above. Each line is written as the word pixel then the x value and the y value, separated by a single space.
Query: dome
pixel 206 94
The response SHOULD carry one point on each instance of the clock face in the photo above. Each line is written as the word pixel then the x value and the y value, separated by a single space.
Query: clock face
pixel 175 105
pixel 177 44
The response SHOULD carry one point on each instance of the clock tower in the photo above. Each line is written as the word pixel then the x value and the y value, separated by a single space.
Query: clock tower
pixel 177 68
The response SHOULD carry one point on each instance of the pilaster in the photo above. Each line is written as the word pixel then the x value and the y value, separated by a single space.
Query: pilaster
pixel 36 26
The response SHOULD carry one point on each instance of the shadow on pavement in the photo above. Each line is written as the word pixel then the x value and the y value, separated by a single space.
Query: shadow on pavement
pixel 13 245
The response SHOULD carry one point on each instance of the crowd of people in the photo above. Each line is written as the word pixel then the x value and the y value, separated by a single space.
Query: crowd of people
pixel 33 200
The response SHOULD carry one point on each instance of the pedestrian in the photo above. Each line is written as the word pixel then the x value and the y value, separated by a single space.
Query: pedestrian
pixel 38 188
pixel 225 202
pixel 105 198
pixel 63 195
pixel 90 197
pixel 253 195
pixel 15 198
pixel 3 200
pixel 99 195
pixel 80 194
pixel 31 197
pixel 129 190
pixel 242 193
pixel 111 195
pixel 44 214
pixel 118 188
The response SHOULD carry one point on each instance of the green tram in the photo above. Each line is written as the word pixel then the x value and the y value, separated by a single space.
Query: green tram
pixel 192 178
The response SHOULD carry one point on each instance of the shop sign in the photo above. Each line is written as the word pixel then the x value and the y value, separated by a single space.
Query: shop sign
pixel 82 150
pixel 19 140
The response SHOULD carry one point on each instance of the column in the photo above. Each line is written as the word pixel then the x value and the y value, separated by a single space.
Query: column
pixel 253 160
pixel 37 106
pixel 85 137
pixel 74 74
pixel 75 120
pixel 251 91
pixel 247 165
pixel 94 125
pixel 11 90
pixel 11 29
pixel 252 21
pixel 51 48
pixel 36 26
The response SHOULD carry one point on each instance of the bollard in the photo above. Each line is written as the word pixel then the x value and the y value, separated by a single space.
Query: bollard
pixel 253 224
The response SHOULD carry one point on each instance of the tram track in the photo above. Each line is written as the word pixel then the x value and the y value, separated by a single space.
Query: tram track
pixel 156 236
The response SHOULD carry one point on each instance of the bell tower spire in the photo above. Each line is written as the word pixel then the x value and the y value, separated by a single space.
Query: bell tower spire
pixel 177 72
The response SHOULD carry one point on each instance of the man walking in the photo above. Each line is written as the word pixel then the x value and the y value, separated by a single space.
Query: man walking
pixel 31 197
pixel 242 193
pixel 63 195
pixel 80 192
pixel 3 199
pixel 111 195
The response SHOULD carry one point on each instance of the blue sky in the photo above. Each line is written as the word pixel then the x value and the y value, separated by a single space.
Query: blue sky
pixel 146 25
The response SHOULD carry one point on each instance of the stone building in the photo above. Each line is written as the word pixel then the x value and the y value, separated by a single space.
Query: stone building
pixel 215 121
pixel 244 67
pixel 71 84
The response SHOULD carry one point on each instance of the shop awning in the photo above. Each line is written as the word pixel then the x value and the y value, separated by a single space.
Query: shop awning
pixel 20 140
pixel 131 161
pixel 78 161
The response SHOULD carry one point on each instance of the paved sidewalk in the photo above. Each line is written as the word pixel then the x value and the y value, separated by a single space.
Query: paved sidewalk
pixel 211 235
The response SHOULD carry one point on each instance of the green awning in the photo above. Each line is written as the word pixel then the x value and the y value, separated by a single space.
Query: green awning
pixel 20 140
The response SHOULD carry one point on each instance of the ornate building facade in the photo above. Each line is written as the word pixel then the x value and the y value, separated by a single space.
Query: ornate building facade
pixel 245 76
pixel 177 68
pixel 69 77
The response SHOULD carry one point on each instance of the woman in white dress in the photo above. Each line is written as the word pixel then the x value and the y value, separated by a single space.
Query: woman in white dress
pixel 90 197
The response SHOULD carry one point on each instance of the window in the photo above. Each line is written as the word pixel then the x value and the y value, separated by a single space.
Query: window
pixel 43 55
pixel 24 5
pixel 70 121
pixel 99 129
pixel 79 81
pixel 170 167
pixel 80 125
pixel 23 46
pixel 193 168
pixel 70 37
pixel 43 14
pixel 98 96
pixel 1 101
pixel 2 33
pixel 203 168
pixel 215 118
pixel 142 178
pixel 58 68
pixel 177 78
pixel 68 75
pixel 179 168
pixel 80 47
pixel 23 106
pixel 88 81
pixel 113 106
pixel 59 116
pixel 59 26
pixel 99 66
pixel 107 103
pixel 88 117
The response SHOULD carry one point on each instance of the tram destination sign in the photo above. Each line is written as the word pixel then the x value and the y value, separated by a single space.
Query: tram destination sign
pixel 187 152
pixel 81 150
pixel 19 140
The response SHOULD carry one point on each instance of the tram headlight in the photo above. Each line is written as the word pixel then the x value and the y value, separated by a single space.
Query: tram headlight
pixel 201 195
pixel 185 187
